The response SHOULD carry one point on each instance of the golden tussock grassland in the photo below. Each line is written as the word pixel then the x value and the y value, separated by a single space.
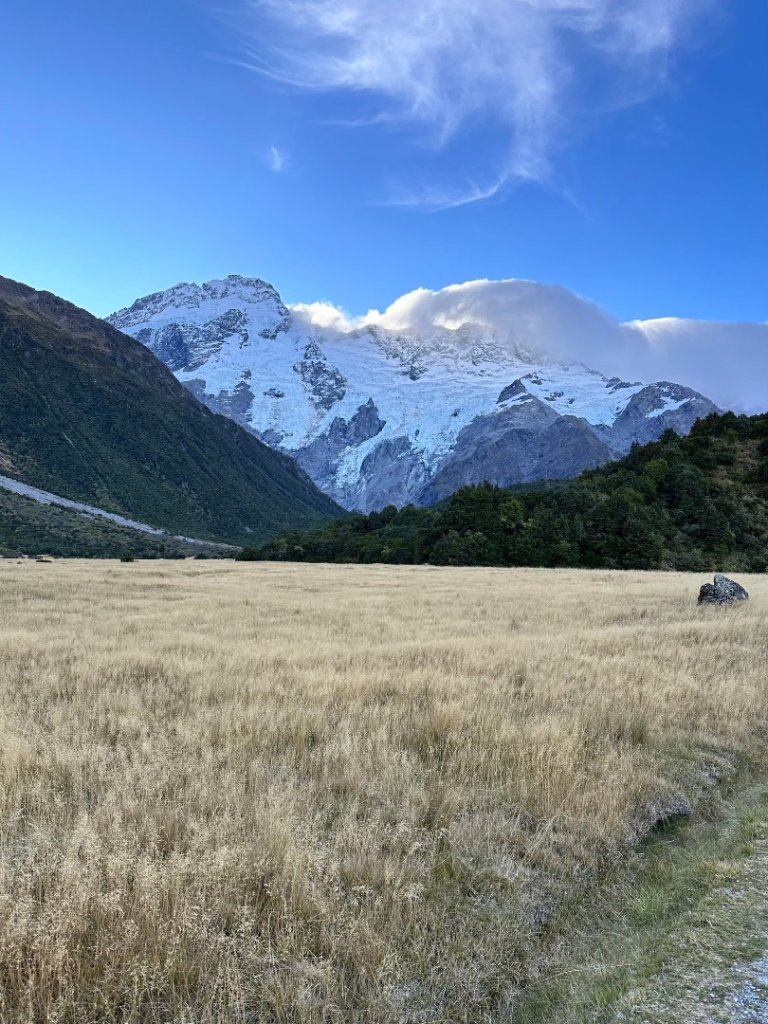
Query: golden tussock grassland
pixel 257 792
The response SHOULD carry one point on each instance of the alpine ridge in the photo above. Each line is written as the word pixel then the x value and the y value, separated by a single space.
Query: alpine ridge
pixel 378 415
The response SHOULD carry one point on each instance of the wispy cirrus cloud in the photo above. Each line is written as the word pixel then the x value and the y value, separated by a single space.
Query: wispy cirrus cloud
pixel 276 159
pixel 528 69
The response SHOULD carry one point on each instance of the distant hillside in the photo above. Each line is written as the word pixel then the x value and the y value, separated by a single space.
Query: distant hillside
pixel 693 503
pixel 92 415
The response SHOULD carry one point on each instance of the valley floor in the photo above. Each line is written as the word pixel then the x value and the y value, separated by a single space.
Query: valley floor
pixel 303 793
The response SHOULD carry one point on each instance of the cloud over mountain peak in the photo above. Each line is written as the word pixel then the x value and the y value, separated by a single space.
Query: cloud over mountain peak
pixel 726 361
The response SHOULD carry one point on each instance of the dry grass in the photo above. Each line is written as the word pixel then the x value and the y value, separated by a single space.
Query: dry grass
pixel 246 793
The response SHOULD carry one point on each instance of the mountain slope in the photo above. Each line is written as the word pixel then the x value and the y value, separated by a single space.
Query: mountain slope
pixel 695 503
pixel 90 414
pixel 30 527
pixel 395 415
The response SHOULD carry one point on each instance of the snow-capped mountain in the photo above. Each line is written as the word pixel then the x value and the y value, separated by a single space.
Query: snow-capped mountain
pixel 382 415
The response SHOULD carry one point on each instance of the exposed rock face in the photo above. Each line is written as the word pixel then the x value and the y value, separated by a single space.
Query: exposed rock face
pixel 722 591
pixel 233 404
pixel 322 456
pixel 515 389
pixel 324 385
pixel 528 441
pixel 381 416
pixel 501 447
pixel 567 448
pixel 390 474
pixel 651 411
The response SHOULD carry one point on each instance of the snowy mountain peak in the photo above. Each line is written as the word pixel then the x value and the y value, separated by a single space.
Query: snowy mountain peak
pixel 197 302
pixel 385 411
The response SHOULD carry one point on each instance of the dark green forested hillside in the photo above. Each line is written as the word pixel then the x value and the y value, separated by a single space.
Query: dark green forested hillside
pixel 90 414
pixel 698 502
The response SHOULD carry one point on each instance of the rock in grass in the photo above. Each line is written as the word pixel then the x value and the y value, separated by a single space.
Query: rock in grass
pixel 722 591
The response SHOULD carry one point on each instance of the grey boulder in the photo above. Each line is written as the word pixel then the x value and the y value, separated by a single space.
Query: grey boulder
pixel 722 591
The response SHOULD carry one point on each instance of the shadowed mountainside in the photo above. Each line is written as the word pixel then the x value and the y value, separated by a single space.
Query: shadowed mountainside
pixel 92 415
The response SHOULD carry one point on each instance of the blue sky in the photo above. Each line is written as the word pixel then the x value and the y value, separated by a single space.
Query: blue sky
pixel 141 146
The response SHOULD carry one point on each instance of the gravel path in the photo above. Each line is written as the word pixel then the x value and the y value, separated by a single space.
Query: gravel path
pixel 721 976
pixel 750 1002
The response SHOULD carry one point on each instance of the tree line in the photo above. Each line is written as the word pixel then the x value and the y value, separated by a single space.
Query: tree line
pixel 691 503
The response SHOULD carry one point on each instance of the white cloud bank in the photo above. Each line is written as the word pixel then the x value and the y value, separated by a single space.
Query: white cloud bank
pixel 529 68
pixel 727 362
